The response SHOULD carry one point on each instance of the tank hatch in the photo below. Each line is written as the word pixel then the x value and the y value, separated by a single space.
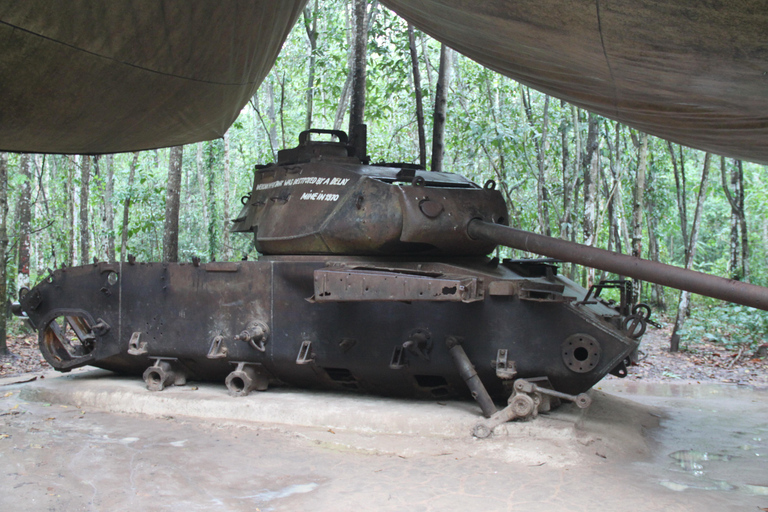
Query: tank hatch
pixel 310 150
pixel 319 199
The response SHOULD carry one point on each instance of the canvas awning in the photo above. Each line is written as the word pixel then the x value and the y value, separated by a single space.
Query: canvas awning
pixel 695 73
pixel 85 76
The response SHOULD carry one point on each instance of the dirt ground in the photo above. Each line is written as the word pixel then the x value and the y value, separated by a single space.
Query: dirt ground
pixel 701 362
pixel 25 357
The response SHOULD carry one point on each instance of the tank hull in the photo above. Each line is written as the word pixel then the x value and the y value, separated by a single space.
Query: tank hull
pixel 371 324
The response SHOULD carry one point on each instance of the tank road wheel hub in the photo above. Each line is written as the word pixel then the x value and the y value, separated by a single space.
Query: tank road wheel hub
pixel 581 353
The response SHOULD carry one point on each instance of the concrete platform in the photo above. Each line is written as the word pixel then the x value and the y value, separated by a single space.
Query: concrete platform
pixel 343 412
pixel 93 441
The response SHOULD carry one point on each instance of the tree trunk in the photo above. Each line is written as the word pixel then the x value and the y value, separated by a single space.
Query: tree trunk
pixel 346 90
pixel 542 193
pixel 500 170
pixel 85 177
pixel 738 265
pixel 69 195
pixel 614 202
pixel 682 308
pixel 576 181
pixel 680 187
pixel 213 227
pixel 25 218
pixel 282 110
pixel 172 191
pixel 566 220
pixel 270 130
pixel 733 259
pixel 657 290
pixel 590 208
pixel 441 99
pixel 109 209
pixel 429 68
pixel 97 222
pixel 186 207
pixel 56 211
pixel 343 106
pixel 542 146
pixel 3 250
pixel 591 165
pixel 417 93
pixel 357 100
pixel 638 204
pixel 201 182
pixel 226 247
pixel 341 110
pixel 41 210
pixel 743 224
pixel 310 25
pixel 126 208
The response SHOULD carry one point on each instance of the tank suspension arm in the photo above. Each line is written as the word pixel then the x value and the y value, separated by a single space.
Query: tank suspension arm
pixel 630 266
pixel 523 403
pixel 468 373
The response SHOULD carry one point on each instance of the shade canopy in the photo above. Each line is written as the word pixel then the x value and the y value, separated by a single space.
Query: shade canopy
pixel 85 76
pixel 695 73
pixel 92 76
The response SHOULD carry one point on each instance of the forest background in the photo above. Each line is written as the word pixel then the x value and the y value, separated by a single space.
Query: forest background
pixel 563 171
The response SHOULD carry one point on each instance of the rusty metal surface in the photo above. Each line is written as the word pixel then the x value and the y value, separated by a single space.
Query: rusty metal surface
pixel 622 264
pixel 469 374
pixel 332 204
pixel 202 322
pixel 528 399
pixel 335 285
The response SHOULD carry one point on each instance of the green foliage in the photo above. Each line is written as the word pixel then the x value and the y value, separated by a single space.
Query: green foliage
pixel 729 324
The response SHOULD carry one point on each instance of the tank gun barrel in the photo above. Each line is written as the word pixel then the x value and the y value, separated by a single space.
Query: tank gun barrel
pixel 630 266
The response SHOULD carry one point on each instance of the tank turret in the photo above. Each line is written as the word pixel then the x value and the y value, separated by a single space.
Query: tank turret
pixel 320 199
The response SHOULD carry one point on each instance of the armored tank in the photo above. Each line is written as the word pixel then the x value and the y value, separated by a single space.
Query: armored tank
pixel 374 278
